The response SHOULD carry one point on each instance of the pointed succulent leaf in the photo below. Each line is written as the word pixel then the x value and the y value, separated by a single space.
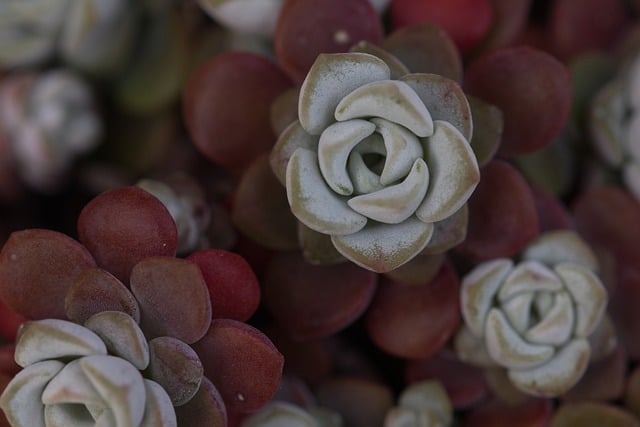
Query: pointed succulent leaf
pixel 317 247
pixel 479 289
pixel 557 325
pixel 291 138
pixel 206 408
pixel 589 296
pixel 529 276
pixel 336 142
pixel 518 311
pixel 280 414
pixel 158 408
pixel 383 247
pixel 558 375
pixel 20 401
pixel 364 179
pixel 449 232
pixel 397 68
pixel 331 78
pixel 488 124
pixel 470 348
pixel 558 246
pixel 74 415
pixel 402 149
pixel 313 203
pixel 419 270
pixel 70 385
pixel 454 173
pixel 393 100
pixel 428 396
pixel 55 338
pixel 444 98
pixel 506 347
pixel 120 384
pixel 122 336
pixel 395 203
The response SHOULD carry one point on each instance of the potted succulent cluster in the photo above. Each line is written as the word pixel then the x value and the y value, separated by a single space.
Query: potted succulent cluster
pixel 346 213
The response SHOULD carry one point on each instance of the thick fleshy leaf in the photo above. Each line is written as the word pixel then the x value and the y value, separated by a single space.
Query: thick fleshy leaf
pixel 418 271
pixel 331 78
pixel 205 408
pixel 395 203
pixel 488 125
pixel 425 48
pixel 479 289
pixel 415 321
pixel 444 99
pixel 280 414
pixel 402 148
pixel 557 325
pixel 156 281
pixel 311 301
pixel 449 232
pixel 592 414
pixel 158 407
pixel 71 385
pixel 398 69
pixel 291 138
pixel 529 276
pixel 334 147
pixel 242 362
pixel 589 296
pixel 125 225
pixel 498 413
pixel 383 247
pixel 604 379
pixel 120 385
pixel 260 209
pixel 556 376
pixel 96 290
pixel 317 248
pixel 52 339
pixel 561 246
pixel 392 100
pixel 430 397
pixel 284 110
pixel 73 415
pixel 454 173
pixel 37 267
pixel 122 336
pixel 176 367
pixel 313 202
pixel 21 400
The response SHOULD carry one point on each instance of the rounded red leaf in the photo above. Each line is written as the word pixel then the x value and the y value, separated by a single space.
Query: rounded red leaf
pixel 124 225
pixel 412 321
pixel 226 106
pixel 173 298
pixel 310 301
pixel 206 408
pixel 234 290
pixel 37 267
pixel 496 413
pixel 523 82
pixel 307 28
pixel 10 321
pixel 242 363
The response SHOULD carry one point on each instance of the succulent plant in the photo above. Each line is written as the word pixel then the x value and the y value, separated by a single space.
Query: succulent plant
pixel 534 317
pixel 50 118
pixel 376 162
pixel 422 404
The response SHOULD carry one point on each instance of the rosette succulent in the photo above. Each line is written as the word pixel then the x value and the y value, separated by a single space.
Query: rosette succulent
pixel 422 404
pixel 534 317
pixel 90 375
pixel 378 159
pixel 614 125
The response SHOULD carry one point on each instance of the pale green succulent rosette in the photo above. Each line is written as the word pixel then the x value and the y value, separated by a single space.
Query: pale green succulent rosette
pixel 376 163
pixel 422 404
pixel 88 375
pixel 285 414
pixel 534 317
pixel 614 125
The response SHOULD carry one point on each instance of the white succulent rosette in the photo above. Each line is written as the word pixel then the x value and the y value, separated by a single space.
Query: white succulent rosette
pixel 614 125
pixel 376 162
pixel 50 119
pixel 85 376
pixel 534 317
pixel 422 404
pixel 285 414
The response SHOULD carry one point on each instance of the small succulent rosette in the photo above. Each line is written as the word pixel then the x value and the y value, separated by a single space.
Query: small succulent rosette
pixel 614 125
pixel 534 317
pixel 378 159
pixel 422 404
pixel 286 414
pixel 50 119
pixel 101 373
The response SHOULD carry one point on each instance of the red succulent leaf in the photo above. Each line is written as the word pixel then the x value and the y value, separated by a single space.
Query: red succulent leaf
pixel 176 367
pixel 206 408
pixel 37 267
pixel 496 413
pixel 552 213
pixel 10 321
pixel 125 225
pixel 415 321
pixel 96 290
pixel 592 414
pixel 466 21
pixel 307 28
pixel 509 20
pixel 242 362
pixel 502 214
pixel 8 365
pixel 604 380
pixel 234 290
pixel 226 106
pixel 310 301
pixel 465 384
pixel 523 82
pixel 173 298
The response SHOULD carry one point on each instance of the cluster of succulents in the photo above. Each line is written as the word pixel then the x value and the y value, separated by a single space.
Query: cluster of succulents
pixel 347 213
